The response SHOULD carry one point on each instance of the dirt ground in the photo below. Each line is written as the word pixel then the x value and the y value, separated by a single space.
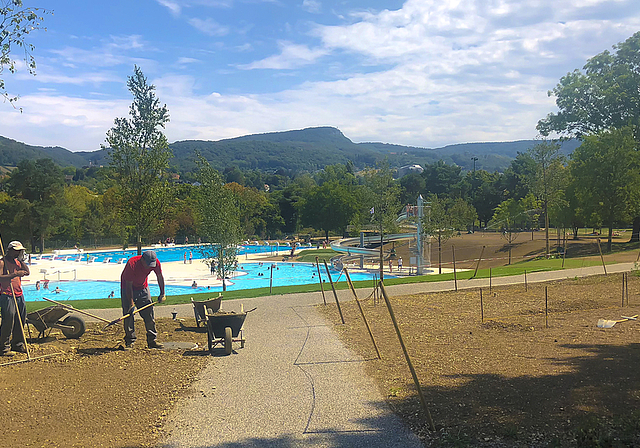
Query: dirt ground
pixel 508 379
pixel 95 394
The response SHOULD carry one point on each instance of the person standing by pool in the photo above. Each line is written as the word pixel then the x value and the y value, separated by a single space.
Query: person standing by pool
pixel 134 291
pixel 12 268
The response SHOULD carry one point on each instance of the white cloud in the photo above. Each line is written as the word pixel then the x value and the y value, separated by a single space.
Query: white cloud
pixel 428 74
pixel 291 56
pixel 209 26
pixel 312 6
pixel 185 60
pixel 173 6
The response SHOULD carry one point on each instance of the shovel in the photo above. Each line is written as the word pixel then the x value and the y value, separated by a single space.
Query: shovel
pixel 603 323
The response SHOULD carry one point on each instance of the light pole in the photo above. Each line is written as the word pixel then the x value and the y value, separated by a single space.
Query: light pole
pixel 473 190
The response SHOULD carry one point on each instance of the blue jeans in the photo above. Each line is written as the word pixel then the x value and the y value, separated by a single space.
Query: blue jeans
pixel 141 298
pixel 10 326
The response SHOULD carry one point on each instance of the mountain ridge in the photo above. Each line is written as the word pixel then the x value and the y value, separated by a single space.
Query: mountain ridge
pixel 307 149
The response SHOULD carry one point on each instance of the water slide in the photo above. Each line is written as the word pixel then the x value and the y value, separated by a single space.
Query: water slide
pixel 351 246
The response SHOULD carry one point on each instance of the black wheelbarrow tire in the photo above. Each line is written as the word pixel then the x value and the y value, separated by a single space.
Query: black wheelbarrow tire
pixel 78 327
pixel 227 340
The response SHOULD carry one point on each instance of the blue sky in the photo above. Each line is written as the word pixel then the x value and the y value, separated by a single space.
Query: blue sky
pixel 423 73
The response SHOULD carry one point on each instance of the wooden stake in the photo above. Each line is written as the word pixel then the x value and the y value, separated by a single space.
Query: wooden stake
pixel 406 355
pixel 355 296
pixel 546 307
pixel 623 289
pixel 564 250
pixel 320 280
pixel 601 257
pixel 335 294
pixel 455 276
pixel 626 281
pixel 489 280
pixel 526 285
pixel 481 307
pixel 478 264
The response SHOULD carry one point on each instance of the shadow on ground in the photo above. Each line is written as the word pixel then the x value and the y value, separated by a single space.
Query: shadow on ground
pixel 602 389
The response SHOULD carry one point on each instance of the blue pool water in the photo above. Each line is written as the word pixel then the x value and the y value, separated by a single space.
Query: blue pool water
pixel 173 253
pixel 248 276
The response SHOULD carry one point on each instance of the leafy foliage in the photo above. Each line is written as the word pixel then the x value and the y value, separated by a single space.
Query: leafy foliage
pixel 219 223
pixel 139 155
pixel 16 22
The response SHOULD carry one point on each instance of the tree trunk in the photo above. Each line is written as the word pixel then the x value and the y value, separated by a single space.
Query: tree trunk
pixel 610 237
pixel 439 254
pixel 575 232
pixel 139 244
pixel 546 231
pixel 635 232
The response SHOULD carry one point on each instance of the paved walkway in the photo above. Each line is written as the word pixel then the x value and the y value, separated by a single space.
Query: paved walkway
pixel 295 384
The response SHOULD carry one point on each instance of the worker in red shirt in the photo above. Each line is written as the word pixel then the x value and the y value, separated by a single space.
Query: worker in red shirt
pixel 134 292
pixel 12 269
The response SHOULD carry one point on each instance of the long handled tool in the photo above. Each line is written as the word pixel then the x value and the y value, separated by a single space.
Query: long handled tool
pixel 120 319
pixel 15 302
pixel 603 323
pixel 69 307
pixel 24 336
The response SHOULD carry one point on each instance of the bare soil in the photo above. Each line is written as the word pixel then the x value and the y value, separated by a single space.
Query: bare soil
pixel 517 377
pixel 504 381
pixel 94 393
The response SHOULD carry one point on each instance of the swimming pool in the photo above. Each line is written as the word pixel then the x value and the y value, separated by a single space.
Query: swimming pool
pixel 172 253
pixel 248 276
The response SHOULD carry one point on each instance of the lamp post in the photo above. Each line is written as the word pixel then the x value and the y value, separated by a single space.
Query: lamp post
pixel 473 190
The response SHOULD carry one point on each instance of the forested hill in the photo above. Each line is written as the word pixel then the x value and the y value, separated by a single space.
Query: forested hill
pixel 299 150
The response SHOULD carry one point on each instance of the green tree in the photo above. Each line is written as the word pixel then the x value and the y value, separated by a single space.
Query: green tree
pixel 606 172
pixel 383 202
pixel 139 155
pixel 218 222
pixel 16 22
pixel 441 178
pixel 445 218
pixel 412 185
pixel 605 95
pixel 508 216
pixel 549 180
pixel 330 207
pixel 38 208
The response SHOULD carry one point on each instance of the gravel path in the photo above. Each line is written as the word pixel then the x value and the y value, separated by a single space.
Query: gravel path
pixel 293 385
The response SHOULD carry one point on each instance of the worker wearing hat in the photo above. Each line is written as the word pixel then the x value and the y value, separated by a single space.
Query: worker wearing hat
pixel 12 269
pixel 134 292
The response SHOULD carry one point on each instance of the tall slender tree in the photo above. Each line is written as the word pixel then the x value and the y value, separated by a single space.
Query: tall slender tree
pixel 218 222
pixel 383 202
pixel 139 155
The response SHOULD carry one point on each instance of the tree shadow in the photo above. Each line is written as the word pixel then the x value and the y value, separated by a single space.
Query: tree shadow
pixel 604 383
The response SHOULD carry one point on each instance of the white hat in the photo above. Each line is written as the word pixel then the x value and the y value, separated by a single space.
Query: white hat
pixel 15 245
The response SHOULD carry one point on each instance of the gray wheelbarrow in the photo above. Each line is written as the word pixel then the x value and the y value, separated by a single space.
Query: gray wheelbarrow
pixel 202 308
pixel 52 317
